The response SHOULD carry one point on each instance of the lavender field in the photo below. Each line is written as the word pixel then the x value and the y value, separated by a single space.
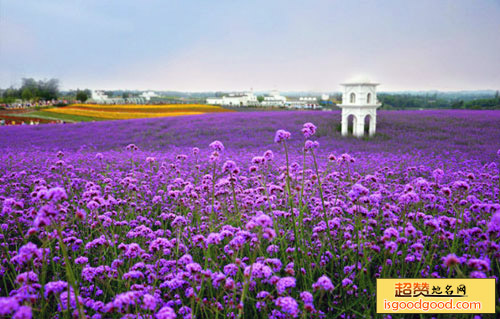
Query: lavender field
pixel 243 215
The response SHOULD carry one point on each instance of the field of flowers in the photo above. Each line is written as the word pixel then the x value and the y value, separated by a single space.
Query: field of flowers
pixel 134 111
pixel 243 215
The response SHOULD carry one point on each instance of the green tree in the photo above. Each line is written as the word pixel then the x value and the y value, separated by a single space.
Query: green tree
pixel 27 94
pixel 49 89
pixel 260 98
pixel 82 95
pixel 10 95
pixel 45 90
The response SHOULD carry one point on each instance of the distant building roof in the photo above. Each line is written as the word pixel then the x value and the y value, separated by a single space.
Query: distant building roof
pixel 360 83
pixel 359 80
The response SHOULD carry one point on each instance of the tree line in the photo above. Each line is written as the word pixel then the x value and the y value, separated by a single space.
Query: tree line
pixel 32 89
pixel 436 101
pixel 41 90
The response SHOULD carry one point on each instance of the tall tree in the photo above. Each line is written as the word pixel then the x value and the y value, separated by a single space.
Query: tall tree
pixel 27 94
pixel 82 95
pixel 42 89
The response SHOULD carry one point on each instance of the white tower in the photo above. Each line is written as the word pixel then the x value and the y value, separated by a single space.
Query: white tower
pixel 359 100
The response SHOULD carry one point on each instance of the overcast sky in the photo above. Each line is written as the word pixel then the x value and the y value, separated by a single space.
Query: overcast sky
pixel 202 45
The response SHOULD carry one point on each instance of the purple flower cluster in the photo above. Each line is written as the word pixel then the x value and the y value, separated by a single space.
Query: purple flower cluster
pixel 169 230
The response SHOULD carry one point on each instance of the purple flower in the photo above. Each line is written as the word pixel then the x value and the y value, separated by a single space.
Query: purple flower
pixel 409 198
pixel 272 249
pixel 124 300
pixel 446 191
pixel 288 305
pixel 263 220
pixel 275 263
pixel 479 264
pixel 186 259
pixel 308 130
pixel 80 214
pixel 309 145
pixel 8 305
pixel 285 283
pixel 179 221
pixel 259 270
pixel 269 155
pixel 72 299
pixel 306 297
pixel 217 146
pixel 134 274
pixel 166 313
pixel 132 147
pixel 438 174
pixel 391 246
pixel 478 274
pixel 345 158
pixel 24 312
pixel 193 268
pixel 410 230
pixel 460 185
pixel 27 278
pixel 56 194
pixel 81 260
pixel 357 191
pixel 391 232
pixel 230 270
pixel 494 224
pixel 258 160
pixel 281 135
pixel 149 302
pixel 450 260
pixel 262 294
pixel 132 250
pixel 346 282
pixel 27 253
pixel 230 167
pixel 323 283
pixel 55 287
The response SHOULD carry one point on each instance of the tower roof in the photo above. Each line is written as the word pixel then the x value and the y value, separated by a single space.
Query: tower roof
pixel 359 83
pixel 360 80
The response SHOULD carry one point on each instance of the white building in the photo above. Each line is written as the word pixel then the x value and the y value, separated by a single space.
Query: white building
pixel 99 97
pixel 274 99
pixel 298 104
pixel 310 99
pixel 359 101
pixel 148 95
pixel 235 99
pixel 325 97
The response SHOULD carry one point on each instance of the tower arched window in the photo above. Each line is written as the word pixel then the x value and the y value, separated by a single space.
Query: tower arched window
pixel 353 98
pixel 369 98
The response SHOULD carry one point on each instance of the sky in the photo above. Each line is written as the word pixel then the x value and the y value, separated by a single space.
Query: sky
pixel 235 45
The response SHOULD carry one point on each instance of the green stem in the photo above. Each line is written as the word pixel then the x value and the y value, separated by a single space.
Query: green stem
pixel 70 276
pixel 290 202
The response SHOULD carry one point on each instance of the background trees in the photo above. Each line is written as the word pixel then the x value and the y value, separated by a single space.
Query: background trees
pixel 82 95
pixel 32 89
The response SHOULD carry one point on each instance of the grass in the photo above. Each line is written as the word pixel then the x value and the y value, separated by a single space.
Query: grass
pixel 58 116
